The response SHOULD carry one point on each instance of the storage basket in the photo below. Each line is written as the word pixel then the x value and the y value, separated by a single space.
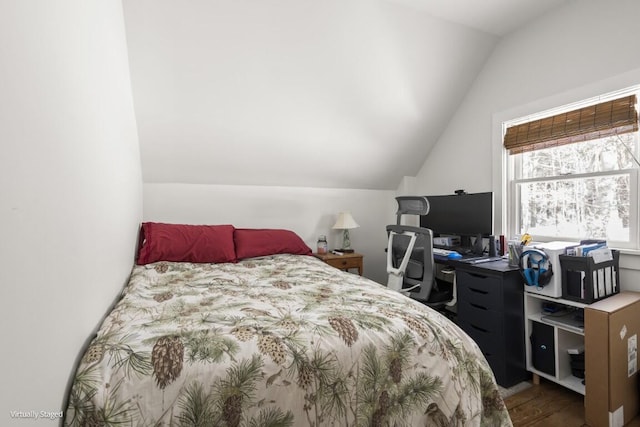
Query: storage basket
pixel 577 365
pixel 584 280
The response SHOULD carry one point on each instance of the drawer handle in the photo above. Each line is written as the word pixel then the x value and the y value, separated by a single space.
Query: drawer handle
pixel 479 276
pixel 479 291
pixel 477 306
pixel 479 328
pixel 344 262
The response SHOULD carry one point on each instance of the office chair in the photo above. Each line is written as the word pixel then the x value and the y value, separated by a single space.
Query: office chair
pixel 410 262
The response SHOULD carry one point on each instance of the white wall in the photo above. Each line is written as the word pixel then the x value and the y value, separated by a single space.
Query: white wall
pixel 307 211
pixel 241 92
pixel 575 52
pixel 70 186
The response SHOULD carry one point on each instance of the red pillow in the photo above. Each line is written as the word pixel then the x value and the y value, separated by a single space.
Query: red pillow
pixel 260 242
pixel 186 243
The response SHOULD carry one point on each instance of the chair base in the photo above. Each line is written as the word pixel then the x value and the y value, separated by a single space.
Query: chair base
pixel 439 296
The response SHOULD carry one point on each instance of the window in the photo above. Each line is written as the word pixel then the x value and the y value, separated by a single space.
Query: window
pixel 573 173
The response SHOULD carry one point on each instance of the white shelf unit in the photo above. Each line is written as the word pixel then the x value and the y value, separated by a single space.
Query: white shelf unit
pixel 564 339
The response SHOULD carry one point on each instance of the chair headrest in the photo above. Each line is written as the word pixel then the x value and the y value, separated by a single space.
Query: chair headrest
pixel 412 205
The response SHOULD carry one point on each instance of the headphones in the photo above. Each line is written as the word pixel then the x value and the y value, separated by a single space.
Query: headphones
pixel 535 267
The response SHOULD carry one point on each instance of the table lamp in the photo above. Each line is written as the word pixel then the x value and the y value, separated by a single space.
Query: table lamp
pixel 345 222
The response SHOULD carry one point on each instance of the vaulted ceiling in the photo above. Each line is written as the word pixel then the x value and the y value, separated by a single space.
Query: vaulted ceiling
pixel 498 17
pixel 332 93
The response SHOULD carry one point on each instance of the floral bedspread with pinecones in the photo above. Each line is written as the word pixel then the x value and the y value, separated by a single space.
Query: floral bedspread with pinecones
pixel 284 340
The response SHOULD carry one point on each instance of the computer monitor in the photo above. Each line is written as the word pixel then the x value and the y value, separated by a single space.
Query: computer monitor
pixel 463 215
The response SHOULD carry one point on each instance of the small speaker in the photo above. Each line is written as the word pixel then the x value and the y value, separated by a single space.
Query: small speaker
pixel 492 246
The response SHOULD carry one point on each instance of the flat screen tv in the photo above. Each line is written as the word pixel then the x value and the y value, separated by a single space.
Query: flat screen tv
pixel 462 215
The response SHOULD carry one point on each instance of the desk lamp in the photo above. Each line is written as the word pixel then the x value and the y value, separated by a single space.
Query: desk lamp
pixel 345 222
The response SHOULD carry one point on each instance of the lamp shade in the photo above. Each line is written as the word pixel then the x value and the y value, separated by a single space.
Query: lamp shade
pixel 345 221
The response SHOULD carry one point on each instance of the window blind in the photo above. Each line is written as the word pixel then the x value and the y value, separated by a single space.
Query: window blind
pixel 595 121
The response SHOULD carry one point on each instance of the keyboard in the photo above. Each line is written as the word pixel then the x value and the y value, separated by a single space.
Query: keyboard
pixel 445 253
pixel 480 260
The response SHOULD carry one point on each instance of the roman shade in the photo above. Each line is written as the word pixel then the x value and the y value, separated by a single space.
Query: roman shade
pixel 595 121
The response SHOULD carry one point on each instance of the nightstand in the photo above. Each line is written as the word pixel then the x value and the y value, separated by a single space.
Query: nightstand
pixel 343 262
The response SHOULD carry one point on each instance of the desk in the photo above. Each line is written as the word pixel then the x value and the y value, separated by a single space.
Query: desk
pixel 491 311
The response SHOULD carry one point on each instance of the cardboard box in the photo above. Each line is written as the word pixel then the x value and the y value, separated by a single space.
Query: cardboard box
pixel 611 328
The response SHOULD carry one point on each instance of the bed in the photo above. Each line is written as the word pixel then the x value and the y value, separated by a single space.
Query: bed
pixel 277 338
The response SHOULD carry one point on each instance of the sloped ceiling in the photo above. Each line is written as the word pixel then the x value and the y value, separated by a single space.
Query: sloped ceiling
pixel 499 17
pixel 332 93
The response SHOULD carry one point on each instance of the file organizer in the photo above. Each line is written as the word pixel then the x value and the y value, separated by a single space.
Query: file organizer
pixel 585 281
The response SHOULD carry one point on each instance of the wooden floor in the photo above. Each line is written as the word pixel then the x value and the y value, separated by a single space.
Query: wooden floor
pixel 549 405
